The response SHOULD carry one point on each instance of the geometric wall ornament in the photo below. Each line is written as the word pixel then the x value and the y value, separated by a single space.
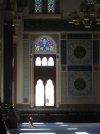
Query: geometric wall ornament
pixel 80 83
pixel 79 52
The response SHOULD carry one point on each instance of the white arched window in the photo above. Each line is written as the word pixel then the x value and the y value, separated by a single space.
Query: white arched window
pixel 39 101
pixel 50 62
pixel 49 93
pixel 38 61
pixel 44 61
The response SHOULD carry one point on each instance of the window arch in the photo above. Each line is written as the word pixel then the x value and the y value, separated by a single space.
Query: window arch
pixel 49 93
pixel 44 61
pixel 39 98
pixel 50 61
pixel 44 44
pixel 38 61
pixel 44 94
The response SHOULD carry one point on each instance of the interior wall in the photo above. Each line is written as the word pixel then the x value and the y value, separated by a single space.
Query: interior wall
pixel 19 42
pixel 65 92
pixel 69 6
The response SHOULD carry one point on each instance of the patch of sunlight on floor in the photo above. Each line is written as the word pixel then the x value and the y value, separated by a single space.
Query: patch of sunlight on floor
pixel 25 129
pixel 81 133
pixel 34 123
pixel 38 133
pixel 64 125
pixel 26 125
pixel 59 123
pixel 72 128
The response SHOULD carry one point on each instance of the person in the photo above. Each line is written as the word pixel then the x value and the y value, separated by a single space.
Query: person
pixel 31 123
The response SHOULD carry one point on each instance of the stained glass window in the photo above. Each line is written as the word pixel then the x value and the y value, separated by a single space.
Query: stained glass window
pixel 44 44
pixel 51 6
pixel 38 6
pixel 44 6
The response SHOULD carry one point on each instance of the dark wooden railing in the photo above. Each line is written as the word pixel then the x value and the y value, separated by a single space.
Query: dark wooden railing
pixel 59 114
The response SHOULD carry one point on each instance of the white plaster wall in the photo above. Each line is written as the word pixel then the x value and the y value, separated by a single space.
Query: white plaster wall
pixel 19 88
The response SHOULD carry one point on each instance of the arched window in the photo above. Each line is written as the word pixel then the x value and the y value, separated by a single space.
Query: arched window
pixel 38 6
pixel 44 44
pixel 51 6
pixel 39 101
pixel 50 61
pixel 49 93
pixel 38 61
pixel 44 61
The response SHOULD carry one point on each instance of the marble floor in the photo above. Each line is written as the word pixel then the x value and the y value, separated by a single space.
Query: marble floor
pixel 57 128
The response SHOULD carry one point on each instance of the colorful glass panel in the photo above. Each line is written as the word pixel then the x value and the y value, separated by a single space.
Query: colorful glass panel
pixel 38 6
pixel 44 44
pixel 51 6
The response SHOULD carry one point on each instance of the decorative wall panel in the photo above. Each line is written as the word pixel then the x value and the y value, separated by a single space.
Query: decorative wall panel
pixel 80 83
pixel 79 52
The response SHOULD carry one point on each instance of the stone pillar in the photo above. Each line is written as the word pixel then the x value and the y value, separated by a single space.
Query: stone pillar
pixel 7 52
pixel 8 44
